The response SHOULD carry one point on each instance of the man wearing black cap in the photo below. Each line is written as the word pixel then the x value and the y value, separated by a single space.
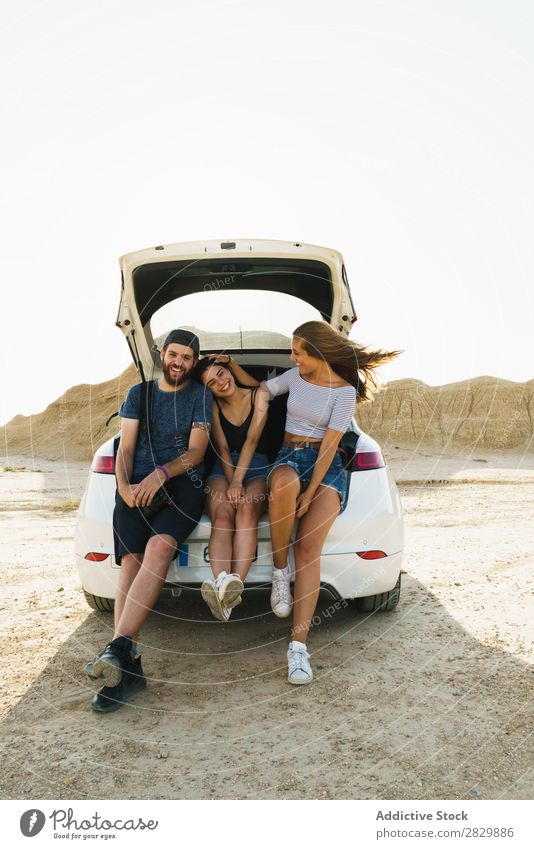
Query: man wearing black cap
pixel 163 447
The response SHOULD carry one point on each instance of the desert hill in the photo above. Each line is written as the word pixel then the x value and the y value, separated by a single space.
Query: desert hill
pixel 484 412
pixel 72 426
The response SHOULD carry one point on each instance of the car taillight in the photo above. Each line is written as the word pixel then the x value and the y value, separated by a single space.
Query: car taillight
pixel 364 460
pixel 96 556
pixel 371 555
pixel 104 465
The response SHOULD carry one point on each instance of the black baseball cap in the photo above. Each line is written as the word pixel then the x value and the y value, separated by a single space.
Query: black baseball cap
pixel 183 337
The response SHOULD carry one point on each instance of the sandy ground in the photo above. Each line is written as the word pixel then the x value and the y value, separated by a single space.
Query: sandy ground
pixel 431 701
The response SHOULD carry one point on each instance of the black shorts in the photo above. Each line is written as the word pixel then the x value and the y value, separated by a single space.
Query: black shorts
pixel 132 530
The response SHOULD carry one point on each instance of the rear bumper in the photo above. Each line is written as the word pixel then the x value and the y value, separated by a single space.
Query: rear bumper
pixel 345 575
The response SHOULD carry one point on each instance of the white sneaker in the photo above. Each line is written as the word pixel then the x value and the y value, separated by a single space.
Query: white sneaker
pixel 230 588
pixel 210 594
pixel 299 670
pixel 281 600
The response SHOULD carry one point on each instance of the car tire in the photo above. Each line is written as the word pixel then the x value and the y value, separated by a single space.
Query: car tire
pixel 98 602
pixel 382 602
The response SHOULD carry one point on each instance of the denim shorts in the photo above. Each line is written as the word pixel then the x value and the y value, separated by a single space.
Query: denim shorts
pixel 258 468
pixel 303 461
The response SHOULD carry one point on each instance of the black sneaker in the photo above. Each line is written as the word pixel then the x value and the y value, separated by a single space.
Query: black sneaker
pixel 109 699
pixel 90 664
pixel 112 661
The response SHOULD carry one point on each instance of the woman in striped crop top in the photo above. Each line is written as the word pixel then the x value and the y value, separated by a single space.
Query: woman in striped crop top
pixel 307 479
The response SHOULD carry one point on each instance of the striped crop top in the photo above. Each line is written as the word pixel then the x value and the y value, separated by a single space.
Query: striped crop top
pixel 312 409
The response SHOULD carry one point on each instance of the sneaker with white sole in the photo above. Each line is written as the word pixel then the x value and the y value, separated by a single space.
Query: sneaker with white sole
pixel 281 600
pixel 230 589
pixel 299 670
pixel 210 593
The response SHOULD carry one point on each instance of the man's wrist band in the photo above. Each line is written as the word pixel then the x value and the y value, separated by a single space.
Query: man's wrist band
pixel 165 472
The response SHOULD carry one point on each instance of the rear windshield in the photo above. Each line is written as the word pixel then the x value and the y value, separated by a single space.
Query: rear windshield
pixel 235 321
pixel 160 283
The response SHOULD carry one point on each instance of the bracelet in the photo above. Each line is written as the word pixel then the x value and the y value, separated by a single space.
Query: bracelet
pixel 165 472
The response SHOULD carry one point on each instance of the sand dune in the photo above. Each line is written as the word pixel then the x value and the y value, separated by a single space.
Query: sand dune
pixel 484 413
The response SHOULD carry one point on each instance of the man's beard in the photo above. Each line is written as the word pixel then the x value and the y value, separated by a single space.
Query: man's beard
pixel 171 379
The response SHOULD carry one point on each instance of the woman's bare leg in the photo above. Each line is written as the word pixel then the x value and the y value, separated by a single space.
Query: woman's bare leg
pixel 311 533
pixel 223 516
pixel 284 488
pixel 246 534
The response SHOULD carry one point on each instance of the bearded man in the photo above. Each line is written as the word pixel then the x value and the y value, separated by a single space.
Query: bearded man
pixel 162 445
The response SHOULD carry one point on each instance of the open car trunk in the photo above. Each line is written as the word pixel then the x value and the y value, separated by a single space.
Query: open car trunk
pixel 153 278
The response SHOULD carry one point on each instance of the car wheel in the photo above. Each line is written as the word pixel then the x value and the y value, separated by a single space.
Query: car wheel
pixel 98 602
pixel 382 601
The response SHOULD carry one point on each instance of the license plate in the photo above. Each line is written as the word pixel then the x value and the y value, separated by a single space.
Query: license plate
pixel 183 555
pixel 197 554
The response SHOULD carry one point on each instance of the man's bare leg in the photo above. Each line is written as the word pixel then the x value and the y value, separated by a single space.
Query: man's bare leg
pixel 146 586
pixel 129 568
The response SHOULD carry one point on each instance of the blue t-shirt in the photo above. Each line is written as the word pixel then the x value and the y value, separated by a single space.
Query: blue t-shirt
pixel 173 413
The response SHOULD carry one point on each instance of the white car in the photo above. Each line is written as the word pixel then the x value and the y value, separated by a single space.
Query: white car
pixel 362 555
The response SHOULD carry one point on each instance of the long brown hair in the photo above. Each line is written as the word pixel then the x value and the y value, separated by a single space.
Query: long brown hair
pixel 353 362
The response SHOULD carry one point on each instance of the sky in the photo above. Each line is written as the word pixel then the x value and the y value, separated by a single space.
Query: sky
pixel 399 133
